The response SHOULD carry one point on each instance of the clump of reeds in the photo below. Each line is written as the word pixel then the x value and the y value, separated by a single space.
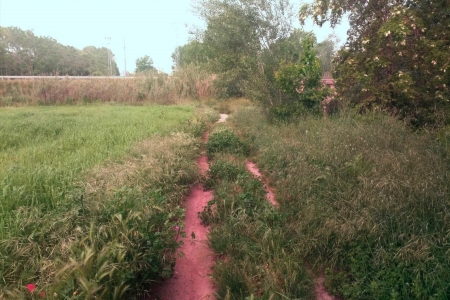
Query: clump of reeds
pixel 187 83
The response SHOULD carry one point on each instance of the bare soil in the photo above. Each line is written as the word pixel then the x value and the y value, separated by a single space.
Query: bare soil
pixel 192 275
pixel 255 171
pixel 320 291
pixel 223 118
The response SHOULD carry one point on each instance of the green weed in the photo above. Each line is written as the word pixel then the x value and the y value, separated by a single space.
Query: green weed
pixel 222 139
pixel 362 196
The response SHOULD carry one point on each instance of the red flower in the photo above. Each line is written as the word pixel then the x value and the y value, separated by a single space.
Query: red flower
pixel 31 287
pixel 42 294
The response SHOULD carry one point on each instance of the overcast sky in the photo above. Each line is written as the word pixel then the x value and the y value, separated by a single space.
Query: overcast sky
pixel 149 27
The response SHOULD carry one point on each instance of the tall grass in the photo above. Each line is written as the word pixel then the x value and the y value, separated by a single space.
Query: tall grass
pixel 89 208
pixel 188 83
pixel 365 199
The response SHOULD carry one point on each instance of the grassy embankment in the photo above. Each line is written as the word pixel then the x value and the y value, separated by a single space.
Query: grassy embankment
pixel 90 196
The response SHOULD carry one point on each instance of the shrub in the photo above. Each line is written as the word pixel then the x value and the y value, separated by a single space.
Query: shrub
pixel 224 140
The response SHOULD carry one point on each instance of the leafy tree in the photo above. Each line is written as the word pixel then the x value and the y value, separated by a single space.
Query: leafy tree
pixel 194 52
pixel 325 52
pixel 396 57
pixel 23 53
pixel 97 61
pixel 144 64
pixel 252 40
pixel 240 34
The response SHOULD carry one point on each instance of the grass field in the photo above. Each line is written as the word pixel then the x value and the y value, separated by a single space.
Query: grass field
pixel 90 196
pixel 43 150
pixel 92 203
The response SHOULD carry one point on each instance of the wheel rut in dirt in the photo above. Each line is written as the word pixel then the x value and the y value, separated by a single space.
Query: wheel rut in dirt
pixel 270 196
pixel 192 273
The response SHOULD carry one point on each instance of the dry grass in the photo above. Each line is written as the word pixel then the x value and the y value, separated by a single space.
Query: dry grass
pixel 150 165
pixel 189 83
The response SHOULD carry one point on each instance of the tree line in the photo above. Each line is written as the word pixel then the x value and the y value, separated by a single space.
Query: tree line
pixel 24 53
pixel 395 60
pixel 254 51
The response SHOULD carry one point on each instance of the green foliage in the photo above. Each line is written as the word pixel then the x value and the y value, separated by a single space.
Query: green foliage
pixel 223 139
pixel 194 52
pixel 246 231
pixel 301 81
pixel 325 52
pixel 241 35
pixel 396 57
pixel 224 170
pixel 23 53
pixel 144 64
pixel 356 201
pixel 83 232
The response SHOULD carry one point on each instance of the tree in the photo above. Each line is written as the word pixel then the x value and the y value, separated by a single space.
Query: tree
pixel 144 64
pixel 396 57
pixel 325 52
pixel 194 52
pixel 249 41
pixel 241 36
pixel 23 53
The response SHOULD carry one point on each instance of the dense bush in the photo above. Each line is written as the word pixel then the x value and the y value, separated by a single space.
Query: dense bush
pixel 396 56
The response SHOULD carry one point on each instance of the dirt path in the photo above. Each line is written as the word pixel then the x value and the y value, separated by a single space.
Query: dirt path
pixel 223 118
pixel 253 168
pixel 191 280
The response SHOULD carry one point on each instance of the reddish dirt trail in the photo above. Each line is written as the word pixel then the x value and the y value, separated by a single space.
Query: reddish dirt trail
pixel 223 118
pixel 255 171
pixel 191 279
pixel 320 291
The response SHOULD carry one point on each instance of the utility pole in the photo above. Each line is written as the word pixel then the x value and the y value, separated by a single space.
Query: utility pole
pixel 108 39
pixel 124 58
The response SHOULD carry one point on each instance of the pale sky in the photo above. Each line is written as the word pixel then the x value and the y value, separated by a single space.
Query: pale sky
pixel 149 27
